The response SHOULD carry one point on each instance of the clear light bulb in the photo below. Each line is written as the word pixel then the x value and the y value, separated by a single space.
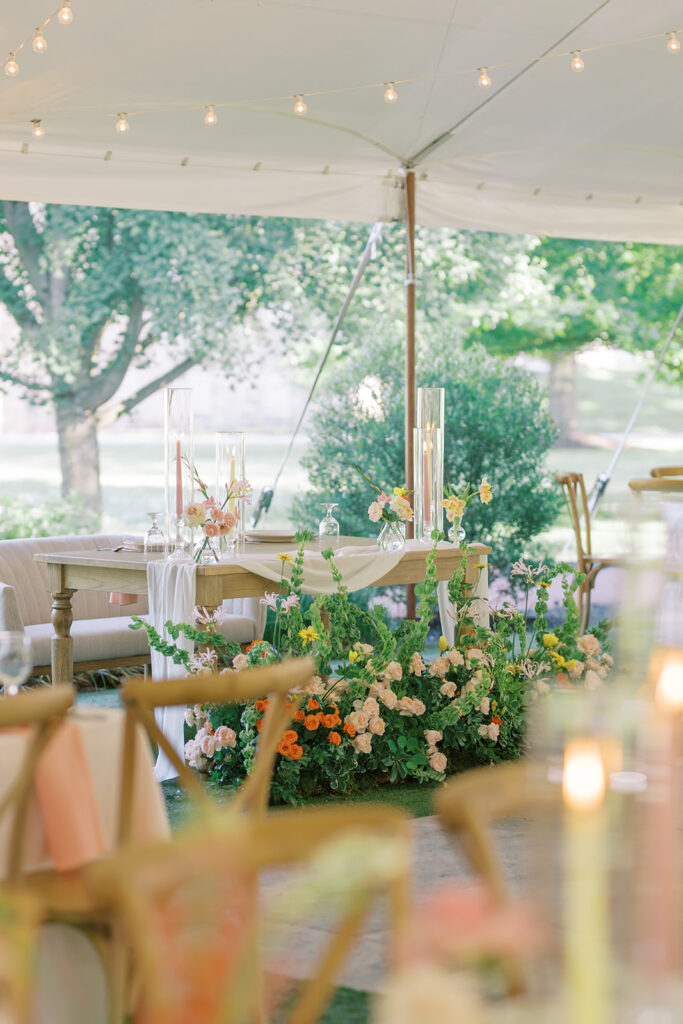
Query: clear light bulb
pixel 576 62
pixel 38 131
pixel 122 124
pixel 673 43
pixel 39 41
pixel 65 15
pixel 390 94
pixel 11 67
pixel 484 80
pixel 210 117
pixel 299 105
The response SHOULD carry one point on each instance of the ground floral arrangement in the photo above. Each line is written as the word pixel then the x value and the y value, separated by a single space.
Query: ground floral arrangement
pixel 376 711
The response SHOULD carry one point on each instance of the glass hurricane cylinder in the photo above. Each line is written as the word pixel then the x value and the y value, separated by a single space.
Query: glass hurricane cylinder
pixel 230 468
pixel 428 477
pixel 179 483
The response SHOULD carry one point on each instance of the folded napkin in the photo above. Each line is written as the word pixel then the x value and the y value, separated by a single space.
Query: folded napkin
pixel 66 797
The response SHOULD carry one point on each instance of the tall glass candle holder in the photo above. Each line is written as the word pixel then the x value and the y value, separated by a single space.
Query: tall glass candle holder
pixel 428 475
pixel 179 472
pixel 429 472
pixel 230 469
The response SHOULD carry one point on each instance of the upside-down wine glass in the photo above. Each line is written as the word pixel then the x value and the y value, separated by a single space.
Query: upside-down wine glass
pixel 154 538
pixel 16 661
pixel 328 531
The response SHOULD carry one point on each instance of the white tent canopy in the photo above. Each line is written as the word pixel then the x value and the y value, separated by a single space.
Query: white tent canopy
pixel 544 150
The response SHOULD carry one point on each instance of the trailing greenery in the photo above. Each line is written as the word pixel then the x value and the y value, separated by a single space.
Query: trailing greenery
pixel 496 425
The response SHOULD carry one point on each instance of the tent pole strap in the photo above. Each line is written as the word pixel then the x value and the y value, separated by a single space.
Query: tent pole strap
pixel 410 357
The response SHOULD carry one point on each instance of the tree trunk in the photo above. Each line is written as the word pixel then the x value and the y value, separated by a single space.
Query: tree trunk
pixel 562 394
pixel 79 454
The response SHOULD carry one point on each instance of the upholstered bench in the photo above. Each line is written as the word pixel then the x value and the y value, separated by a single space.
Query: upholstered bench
pixel 101 637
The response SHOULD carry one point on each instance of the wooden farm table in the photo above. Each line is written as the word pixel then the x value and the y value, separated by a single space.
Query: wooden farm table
pixel 126 572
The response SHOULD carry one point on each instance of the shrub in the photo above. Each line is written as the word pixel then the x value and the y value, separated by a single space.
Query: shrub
pixel 53 518
pixel 496 425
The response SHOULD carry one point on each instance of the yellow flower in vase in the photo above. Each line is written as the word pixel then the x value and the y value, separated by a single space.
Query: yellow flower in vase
pixel 485 492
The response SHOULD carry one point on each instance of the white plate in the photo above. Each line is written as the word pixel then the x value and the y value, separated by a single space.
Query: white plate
pixel 270 537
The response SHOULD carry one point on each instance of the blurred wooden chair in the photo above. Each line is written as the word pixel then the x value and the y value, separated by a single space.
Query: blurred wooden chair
pixel 574 490
pixel 141 697
pixel 666 471
pixel 195 930
pixel 21 909
pixel 468 804
pixel 662 484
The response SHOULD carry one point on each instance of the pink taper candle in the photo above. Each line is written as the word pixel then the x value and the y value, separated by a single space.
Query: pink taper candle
pixel 426 491
pixel 178 482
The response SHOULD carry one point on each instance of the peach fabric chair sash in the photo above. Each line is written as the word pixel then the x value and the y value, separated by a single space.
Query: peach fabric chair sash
pixel 66 798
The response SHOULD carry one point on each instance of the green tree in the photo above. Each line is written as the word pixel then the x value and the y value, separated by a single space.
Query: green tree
pixel 94 291
pixel 496 425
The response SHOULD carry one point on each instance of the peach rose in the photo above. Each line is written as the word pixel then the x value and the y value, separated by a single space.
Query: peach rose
pixel 377 726
pixel 371 707
pixel 483 730
pixel 448 689
pixel 194 513
pixel 433 736
pixel 438 762
pixel 393 672
pixel 212 529
pixel 388 698
pixel 358 719
pixel 375 512
pixel 455 657
pixel 189 717
pixel 575 670
pixel 363 744
pixel 363 648
pixel 440 666
pixel 208 745
pixel 592 680
pixel 240 661
pixel 485 705
pixel 225 737
pixel 417 665
pixel 494 731
pixel 418 707
pixel 589 644
pixel 608 660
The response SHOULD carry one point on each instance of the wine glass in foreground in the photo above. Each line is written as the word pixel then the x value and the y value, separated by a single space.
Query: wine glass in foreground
pixel 16 661
pixel 154 538
pixel 328 531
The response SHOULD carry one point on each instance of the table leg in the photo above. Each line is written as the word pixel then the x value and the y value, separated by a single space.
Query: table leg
pixel 62 617
pixel 477 576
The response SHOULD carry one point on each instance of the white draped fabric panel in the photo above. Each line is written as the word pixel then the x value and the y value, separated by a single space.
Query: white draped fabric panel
pixel 544 150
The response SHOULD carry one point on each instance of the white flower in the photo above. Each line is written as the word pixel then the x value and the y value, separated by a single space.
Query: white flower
pixel 483 730
pixel 494 731
pixel 269 599
pixel 485 705
pixel 206 618
pixel 589 644
pixel 240 661
pixel 189 717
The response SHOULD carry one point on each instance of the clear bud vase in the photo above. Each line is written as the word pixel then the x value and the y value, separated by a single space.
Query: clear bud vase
pixel 456 534
pixel 392 537
pixel 179 479
pixel 230 471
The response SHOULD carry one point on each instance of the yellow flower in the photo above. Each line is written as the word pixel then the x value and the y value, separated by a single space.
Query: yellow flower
pixel 550 640
pixel 572 663
pixel 400 492
pixel 494 705
pixel 485 492
pixel 455 508
pixel 285 557
pixel 546 585
pixel 443 644
pixel 353 656
pixel 308 635
pixel 558 659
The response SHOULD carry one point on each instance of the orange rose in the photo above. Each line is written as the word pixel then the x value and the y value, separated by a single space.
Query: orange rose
pixel 295 752
pixel 350 730
pixel 261 705
pixel 313 704
pixel 311 722
pixel 300 715
pixel 290 737
pixel 284 748
pixel 335 709
pixel 329 721
pixel 334 738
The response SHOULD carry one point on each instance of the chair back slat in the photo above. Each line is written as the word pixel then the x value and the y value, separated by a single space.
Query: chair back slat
pixel 574 491
pixel 666 471
pixel 657 485
pixel 142 697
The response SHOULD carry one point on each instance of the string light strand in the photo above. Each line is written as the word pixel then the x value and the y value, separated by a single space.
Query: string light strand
pixel 63 14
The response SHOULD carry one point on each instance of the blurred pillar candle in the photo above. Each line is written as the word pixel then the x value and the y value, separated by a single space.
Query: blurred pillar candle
pixel 586 885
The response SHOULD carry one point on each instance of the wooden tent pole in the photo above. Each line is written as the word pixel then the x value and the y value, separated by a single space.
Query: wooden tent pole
pixel 410 357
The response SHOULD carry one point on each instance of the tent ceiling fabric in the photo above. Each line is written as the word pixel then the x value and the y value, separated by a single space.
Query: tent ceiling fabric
pixel 596 154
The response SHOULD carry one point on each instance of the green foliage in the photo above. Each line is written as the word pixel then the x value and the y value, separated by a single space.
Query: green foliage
pixel 495 426
pixel 53 519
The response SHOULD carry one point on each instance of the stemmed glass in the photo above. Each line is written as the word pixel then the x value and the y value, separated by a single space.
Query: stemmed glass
pixel 154 538
pixel 16 661
pixel 328 531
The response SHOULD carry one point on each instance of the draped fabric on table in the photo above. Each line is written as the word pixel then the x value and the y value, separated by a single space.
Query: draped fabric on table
pixel 171 588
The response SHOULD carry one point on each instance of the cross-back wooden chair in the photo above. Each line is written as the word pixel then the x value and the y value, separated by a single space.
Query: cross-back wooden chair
pixel 200 943
pixel 467 806
pixel 662 484
pixel 40 711
pixel 666 471
pixel 574 491
pixel 141 697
